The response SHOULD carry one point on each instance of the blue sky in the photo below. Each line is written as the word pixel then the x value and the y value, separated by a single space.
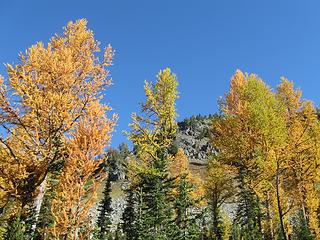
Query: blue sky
pixel 203 42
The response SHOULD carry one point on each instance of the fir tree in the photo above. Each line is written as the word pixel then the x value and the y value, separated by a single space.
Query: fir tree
pixel 45 218
pixel 186 216
pixel 20 227
pixel 301 229
pixel 155 205
pixel 118 234
pixel 15 230
pixel 105 210
pixel 249 214
pixel 129 218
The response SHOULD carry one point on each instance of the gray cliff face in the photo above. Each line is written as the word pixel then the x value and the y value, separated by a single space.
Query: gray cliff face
pixel 193 137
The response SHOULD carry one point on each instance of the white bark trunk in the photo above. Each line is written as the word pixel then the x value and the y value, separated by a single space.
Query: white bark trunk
pixel 38 202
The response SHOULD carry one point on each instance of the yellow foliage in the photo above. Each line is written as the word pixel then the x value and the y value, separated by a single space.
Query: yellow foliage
pixel 272 140
pixel 155 131
pixel 55 114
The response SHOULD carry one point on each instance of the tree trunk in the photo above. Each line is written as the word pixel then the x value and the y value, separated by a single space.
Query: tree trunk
pixel 215 217
pixel 38 202
pixel 303 208
pixel 279 206
pixel 270 221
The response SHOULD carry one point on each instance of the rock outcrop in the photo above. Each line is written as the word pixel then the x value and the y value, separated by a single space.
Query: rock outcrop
pixel 193 137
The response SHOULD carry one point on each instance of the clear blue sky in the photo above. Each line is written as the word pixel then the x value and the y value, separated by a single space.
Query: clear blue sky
pixel 203 42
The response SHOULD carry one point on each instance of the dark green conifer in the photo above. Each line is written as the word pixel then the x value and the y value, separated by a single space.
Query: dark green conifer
pixel 249 214
pixel 129 227
pixel 15 230
pixel 186 214
pixel 105 210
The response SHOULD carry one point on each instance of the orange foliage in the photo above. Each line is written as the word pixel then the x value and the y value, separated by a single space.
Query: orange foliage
pixel 78 182
pixel 179 166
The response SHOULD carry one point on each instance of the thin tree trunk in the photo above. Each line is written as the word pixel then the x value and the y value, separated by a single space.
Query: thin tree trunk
pixel 271 230
pixel 303 207
pixel 279 206
pixel 259 219
pixel 215 216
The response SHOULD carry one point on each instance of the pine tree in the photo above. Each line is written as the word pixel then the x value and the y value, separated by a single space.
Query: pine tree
pixel 15 230
pixel 129 227
pixel 116 161
pixel 20 227
pixel 118 233
pixel 155 210
pixel 188 194
pixel 301 229
pixel 186 215
pixel 105 210
pixel 45 217
pixel 249 215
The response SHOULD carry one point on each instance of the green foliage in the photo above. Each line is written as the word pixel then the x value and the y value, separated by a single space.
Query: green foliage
pixel 129 227
pixel 301 229
pixel 118 235
pixel 186 216
pixel 104 218
pixel 45 218
pixel 15 230
pixel 249 215
pixel 21 227
pixel 116 161
pixel 154 208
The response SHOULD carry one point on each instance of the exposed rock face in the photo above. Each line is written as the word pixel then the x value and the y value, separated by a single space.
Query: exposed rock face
pixel 118 205
pixel 194 137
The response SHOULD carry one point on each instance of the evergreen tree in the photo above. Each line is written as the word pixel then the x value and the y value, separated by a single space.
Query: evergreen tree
pixel 301 229
pixel 45 218
pixel 105 210
pixel 188 195
pixel 20 227
pixel 249 215
pixel 129 227
pixel 15 230
pixel 186 215
pixel 118 234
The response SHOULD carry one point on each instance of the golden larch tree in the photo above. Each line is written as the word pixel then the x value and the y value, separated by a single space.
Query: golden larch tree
pixel 46 104
pixel 76 192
